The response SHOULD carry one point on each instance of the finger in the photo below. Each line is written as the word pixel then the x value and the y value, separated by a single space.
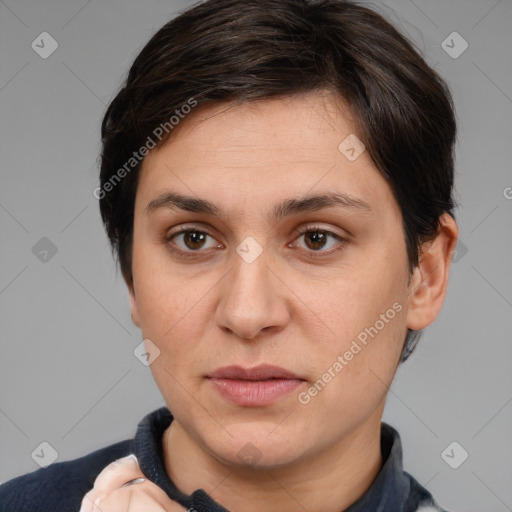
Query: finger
pixel 144 497
pixel 109 495
pixel 87 503
pixel 118 473
pixel 110 478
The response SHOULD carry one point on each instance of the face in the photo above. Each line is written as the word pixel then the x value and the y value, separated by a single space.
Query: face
pixel 250 271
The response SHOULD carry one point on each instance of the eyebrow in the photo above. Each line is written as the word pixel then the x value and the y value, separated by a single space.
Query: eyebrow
pixel 291 206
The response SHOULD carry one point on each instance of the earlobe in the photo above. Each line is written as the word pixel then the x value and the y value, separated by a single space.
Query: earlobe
pixel 430 278
pixel 133 305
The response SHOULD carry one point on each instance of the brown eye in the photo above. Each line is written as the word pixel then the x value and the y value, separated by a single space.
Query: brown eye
pixel 315 240
pixel 194 239
pixel 318 241
pixel 190 240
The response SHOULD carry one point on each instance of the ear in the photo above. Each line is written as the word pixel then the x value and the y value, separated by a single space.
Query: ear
pixel 133 305
pixel 429 281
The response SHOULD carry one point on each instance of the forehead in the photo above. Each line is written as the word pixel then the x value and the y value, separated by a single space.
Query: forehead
pixel 304 123
pixel 264 150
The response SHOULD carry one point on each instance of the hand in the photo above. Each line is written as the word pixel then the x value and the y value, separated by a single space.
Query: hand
pixel 109 495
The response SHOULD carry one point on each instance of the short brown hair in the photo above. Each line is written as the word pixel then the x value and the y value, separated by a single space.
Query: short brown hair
pixel 243 50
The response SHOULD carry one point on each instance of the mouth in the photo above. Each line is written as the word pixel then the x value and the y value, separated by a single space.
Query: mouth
pixel 254 387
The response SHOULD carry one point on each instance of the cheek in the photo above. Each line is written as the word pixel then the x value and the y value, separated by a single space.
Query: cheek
pixel 354 362
pixel 362 301
pixel 352 378
pixel 165 296
pixel 174 310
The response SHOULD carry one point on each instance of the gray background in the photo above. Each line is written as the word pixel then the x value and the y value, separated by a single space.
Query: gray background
pixel 68 375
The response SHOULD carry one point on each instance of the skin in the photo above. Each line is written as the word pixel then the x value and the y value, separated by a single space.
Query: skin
pixel 109 494
pixel 294 306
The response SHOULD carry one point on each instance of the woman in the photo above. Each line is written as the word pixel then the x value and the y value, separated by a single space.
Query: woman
pixel 276 182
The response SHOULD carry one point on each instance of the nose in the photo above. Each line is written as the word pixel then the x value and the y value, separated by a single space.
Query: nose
pixel 253 299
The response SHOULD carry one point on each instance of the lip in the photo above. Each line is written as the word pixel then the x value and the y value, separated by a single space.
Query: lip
pixel 260 372
pixel 254 387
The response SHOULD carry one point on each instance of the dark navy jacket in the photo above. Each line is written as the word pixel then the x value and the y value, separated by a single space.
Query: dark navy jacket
pixel 61 486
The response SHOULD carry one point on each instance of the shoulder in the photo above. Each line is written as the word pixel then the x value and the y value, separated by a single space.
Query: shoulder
pixel 61 486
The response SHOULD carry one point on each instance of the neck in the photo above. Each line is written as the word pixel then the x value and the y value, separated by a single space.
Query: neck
pixel 328 482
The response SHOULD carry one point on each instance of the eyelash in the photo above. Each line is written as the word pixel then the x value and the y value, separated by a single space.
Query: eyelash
pixel 168 240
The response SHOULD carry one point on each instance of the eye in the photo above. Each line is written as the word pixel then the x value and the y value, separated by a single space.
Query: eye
pixel 316 239
pixel 188 239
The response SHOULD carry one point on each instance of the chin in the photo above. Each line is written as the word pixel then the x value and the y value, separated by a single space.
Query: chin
pixel 251 457
pixel 259 451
